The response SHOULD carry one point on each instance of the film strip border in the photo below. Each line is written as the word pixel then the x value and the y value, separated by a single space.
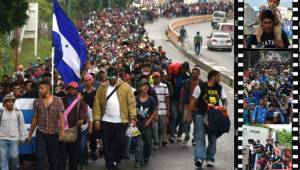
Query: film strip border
pixel 295 121
pixel 238 84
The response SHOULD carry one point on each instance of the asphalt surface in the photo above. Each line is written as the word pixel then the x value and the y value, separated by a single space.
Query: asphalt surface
pixel 223 59
pixel 178 156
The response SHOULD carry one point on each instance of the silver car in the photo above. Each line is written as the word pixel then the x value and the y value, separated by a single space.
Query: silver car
pixel 219 40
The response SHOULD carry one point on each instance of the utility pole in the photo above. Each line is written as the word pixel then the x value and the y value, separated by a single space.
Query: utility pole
pixel 69 7
pixel 109 3
pixel 17 36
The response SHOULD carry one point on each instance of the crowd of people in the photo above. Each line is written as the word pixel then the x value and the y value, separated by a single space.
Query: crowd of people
pixel 271 156
pixel 268 93
pixel 127 82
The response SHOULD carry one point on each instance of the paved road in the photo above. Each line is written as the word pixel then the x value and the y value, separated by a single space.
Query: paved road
pixel 177 156
pixel 223 59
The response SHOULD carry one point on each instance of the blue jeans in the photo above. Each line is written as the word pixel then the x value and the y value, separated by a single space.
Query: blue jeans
pixel 83 148
pixel 201 152
pixel 154 130
pixel 174 117
pixel 162 133
pixel 187 125
pixel 143 146
pixel 9 152
pixel 197 48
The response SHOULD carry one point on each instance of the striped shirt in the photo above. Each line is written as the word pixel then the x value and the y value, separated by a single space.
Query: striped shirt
pixel 162 92
pixel 48 117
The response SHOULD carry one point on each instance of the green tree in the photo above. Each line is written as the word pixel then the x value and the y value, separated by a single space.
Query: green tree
pixel 285 138
pixel 12 14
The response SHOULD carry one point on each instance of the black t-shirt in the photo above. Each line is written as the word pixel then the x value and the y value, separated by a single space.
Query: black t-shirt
pixel 268 40
pixel 182 32
pixel 144 109
pixel 151 92
pixel 269 147
pixel 208 95
pixel 89 97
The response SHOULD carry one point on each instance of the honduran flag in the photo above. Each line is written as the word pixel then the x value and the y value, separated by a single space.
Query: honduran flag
pixel 69 49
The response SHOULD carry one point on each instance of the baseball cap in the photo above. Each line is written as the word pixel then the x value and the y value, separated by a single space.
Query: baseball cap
pixel 111 74
pixel 127 77
pixel 88 77
pixel 20 66
pixel 73 84
pixel 143 82
pixel 9 97
pixel 156 74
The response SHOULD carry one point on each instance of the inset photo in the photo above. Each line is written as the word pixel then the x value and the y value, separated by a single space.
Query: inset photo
pixel 268 24
pixel 267 87
pixel 267 147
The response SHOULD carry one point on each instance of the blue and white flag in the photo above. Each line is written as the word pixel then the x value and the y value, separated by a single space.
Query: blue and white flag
pixel 69 49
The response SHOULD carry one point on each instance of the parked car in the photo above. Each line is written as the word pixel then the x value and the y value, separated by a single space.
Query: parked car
pixel 219 40
pixel 218 17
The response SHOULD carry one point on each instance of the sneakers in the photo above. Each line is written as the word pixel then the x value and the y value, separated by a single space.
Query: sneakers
pixel 209 164
pixel 193 142
pixel 82 167
pixel 164 143
pixel 146 161
pixel 155 147
pixel 172 139
pixel 179 138
pixel 186 139
pixel 198 163
pixel 94 156
pixel 138 164
pixel 101 152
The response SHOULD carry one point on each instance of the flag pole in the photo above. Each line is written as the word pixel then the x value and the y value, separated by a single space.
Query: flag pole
pixel 52 58
pixel 52 70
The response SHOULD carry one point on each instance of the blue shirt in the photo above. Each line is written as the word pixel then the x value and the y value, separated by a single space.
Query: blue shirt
pixel 260 114
pixel 257 94
pixel 246 117
pixel 263 79
pixel 250 100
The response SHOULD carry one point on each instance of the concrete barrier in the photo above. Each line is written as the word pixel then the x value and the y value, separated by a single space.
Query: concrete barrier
pixel 173 36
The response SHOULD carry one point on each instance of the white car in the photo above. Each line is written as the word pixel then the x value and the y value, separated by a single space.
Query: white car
pixel 219 40
pixel 218 17
pixel 225 27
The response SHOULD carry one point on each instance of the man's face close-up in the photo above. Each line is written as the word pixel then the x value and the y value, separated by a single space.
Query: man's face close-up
pixel 273 3
pixel 268 25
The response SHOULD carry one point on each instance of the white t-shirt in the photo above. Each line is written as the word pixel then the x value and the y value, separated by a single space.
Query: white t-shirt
pixel 89 119
pixel 162 92
pixel 113 110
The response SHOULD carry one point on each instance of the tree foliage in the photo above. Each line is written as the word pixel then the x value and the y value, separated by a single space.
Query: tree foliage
pixel 285 138
pixel 13 14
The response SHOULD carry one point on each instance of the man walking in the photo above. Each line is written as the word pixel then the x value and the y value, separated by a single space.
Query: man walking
pixel 183 35
pixel 75 118
pixel 187 91
pixel 114 108
pixel 163 110
pixel 48 110
pixel 11 133
pixel 197 43
pixel 208 93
